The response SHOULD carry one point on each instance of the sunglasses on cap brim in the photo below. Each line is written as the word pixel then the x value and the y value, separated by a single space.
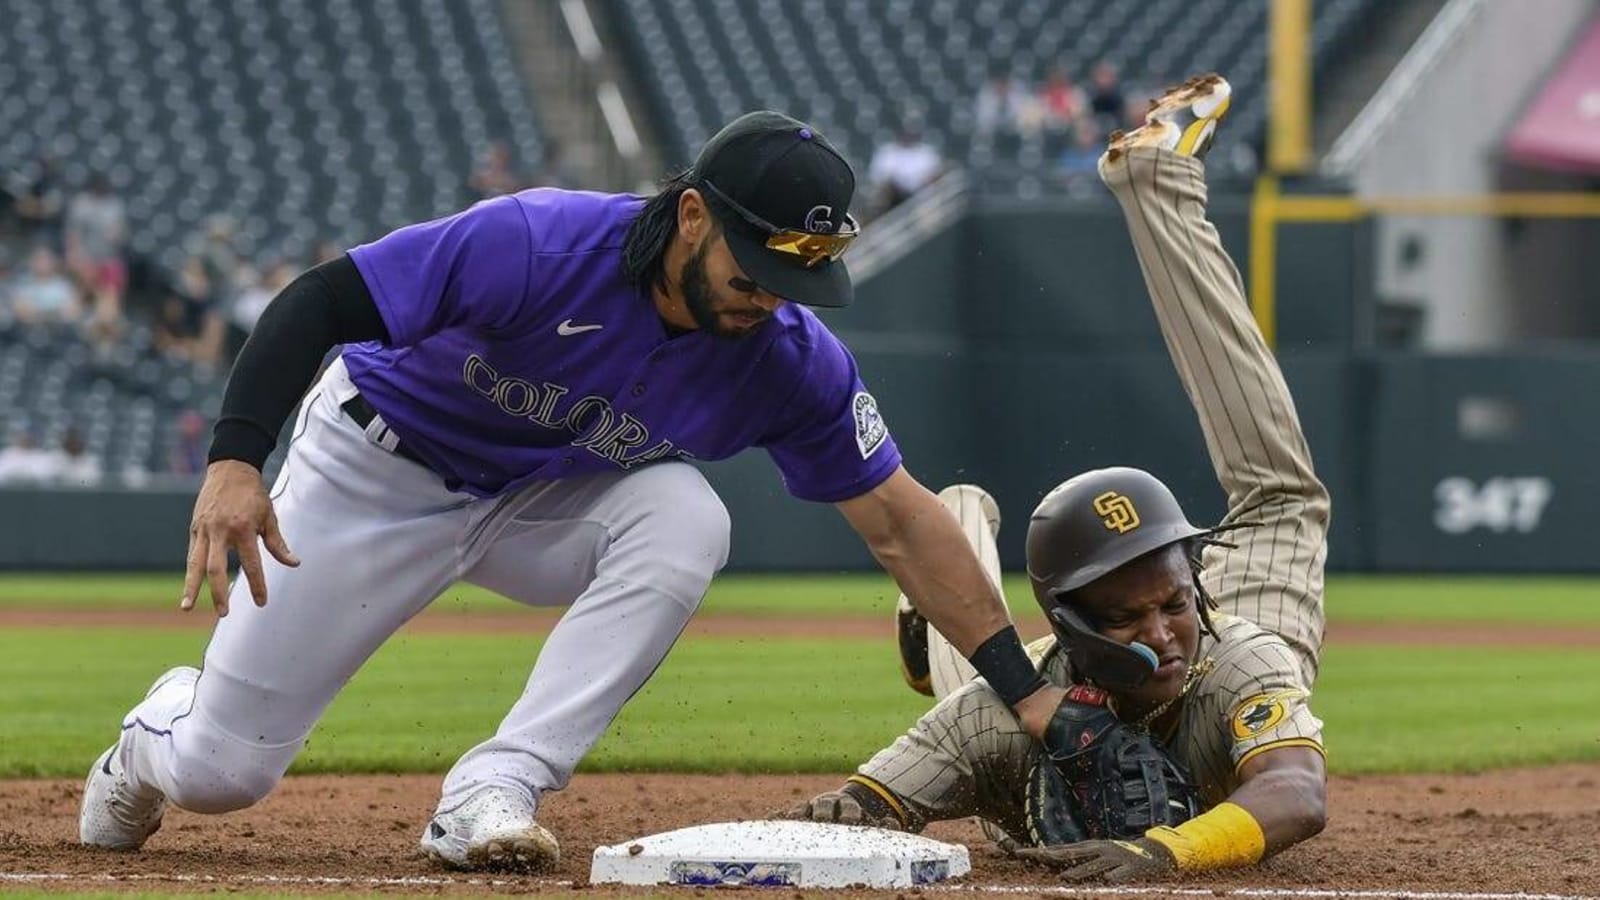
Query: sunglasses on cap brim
pixel 811 246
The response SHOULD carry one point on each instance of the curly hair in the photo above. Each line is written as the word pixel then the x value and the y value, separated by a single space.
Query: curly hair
pixel 644 250
pixel 1194 548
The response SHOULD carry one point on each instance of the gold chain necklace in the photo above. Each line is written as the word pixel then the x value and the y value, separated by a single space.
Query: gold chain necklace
pixel 1189 678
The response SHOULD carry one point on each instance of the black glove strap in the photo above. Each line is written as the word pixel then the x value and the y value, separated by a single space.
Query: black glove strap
pixel 875 800
pixel 1005 665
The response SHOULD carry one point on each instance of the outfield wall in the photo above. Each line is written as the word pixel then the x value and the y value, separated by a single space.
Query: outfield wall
pixel 1018 348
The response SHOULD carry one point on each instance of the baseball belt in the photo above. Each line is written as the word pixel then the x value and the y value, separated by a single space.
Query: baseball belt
pixel 378 431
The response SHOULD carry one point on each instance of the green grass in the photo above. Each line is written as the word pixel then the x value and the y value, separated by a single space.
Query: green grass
pixel 718 704
pixel 1448 709
pixel 722 704
pixel 1351 598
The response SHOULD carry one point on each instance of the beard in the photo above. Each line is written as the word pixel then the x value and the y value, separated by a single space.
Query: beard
pixel 696 287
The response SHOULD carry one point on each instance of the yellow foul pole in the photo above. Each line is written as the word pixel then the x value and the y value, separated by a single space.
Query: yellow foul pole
pixel 1289 87
pixel 1288 148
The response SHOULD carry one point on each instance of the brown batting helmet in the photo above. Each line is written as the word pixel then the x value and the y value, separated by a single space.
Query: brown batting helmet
pixel 1088 526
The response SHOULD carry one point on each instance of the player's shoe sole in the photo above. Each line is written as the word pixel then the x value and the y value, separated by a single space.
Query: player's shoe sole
pixel 911 635
pixel 1183 119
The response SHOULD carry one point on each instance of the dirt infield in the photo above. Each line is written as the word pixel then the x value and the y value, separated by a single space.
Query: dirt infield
pixel 538 621
pixel 1513 831
pixel 1470 836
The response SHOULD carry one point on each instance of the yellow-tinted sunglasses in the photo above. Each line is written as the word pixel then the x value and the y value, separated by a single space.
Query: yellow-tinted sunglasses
pixel 811 246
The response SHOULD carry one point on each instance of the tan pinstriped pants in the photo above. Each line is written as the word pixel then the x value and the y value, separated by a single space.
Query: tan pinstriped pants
pixel 1252 432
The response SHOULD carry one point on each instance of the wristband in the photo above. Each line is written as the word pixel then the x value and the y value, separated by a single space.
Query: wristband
pixel 1227 837
pixel 1005 665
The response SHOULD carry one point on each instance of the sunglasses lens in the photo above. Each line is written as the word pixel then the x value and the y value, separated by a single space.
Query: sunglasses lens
pixel 814 248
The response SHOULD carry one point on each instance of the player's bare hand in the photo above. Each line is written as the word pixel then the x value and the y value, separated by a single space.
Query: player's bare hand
pixel 1038 708
pixel 231 512
pixel 844 807
pixel 1109 861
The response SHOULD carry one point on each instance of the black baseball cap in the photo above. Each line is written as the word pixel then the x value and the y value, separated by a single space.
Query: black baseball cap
pixel 782 195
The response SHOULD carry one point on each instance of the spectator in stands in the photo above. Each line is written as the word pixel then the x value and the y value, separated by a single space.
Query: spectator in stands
pixel 1107 102
pixel 1001 104
pixel 256 290
pixel 553 170
pixel 495 175
pixel 96 228
pixel 44 294
pixel 189 450
pixel 1082 158
pixel 96 232
pixel 218 253
pixel 325 250
pixel 41 202
pixel 75 465
pixel 1061 102
pixel 23 461
pixel 902 167
pixel 189 327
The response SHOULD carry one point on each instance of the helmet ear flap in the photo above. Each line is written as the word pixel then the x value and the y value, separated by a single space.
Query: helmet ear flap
pixel 1114 666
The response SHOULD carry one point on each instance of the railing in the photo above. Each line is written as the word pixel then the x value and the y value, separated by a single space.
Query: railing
pixel 895 233
pixel 1379 114
pixel 633 168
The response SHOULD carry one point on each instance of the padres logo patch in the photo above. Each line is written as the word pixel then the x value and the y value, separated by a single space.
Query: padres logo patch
pixel 1259 714
pixel 1116 512
pixel 870 430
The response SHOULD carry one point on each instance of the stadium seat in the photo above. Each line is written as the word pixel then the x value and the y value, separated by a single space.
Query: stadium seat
pixel 856 67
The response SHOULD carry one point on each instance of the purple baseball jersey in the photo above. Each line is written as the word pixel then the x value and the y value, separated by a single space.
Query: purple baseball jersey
pixel 519 352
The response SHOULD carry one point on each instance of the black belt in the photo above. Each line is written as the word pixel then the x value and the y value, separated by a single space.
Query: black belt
pixel 362 413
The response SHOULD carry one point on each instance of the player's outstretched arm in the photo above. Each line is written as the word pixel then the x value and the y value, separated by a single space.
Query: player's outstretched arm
pixel 1281 801
pixel 921 545
pixel 968 756
pixel 324 307
pixel 1286 791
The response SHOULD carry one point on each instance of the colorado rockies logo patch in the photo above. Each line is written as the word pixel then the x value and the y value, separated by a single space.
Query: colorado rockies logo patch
pixel 820 219
pixel 1116 512
pixel 870 430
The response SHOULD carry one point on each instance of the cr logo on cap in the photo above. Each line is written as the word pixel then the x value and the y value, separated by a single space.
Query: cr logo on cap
pixel 1116 512
pixel 820 219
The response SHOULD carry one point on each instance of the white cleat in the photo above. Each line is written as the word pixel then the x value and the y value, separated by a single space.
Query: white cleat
pixel 1183 119
pixel 492 829
pixel 114 816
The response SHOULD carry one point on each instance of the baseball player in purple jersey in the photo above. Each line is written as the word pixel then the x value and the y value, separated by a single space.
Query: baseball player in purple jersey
pixel 521 387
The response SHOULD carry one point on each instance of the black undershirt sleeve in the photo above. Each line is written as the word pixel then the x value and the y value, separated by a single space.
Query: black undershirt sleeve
pixel 326 306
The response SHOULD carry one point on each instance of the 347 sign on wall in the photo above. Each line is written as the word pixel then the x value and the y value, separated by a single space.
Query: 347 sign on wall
pixel 1500 504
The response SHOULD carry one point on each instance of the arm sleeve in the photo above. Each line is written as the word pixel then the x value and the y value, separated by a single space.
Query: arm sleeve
pixel 467 270
pixel 967 756
pixel 830 442
pixel 324 307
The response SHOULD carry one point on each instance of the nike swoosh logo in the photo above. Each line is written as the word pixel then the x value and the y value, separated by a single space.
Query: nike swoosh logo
pixel 566 328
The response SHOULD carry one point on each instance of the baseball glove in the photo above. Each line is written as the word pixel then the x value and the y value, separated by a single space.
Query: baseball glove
pixel 1101 779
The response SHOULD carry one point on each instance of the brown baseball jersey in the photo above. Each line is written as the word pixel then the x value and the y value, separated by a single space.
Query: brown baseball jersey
pixel 969 754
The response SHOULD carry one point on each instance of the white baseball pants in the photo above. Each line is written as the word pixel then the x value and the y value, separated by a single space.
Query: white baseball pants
pixel 379 538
